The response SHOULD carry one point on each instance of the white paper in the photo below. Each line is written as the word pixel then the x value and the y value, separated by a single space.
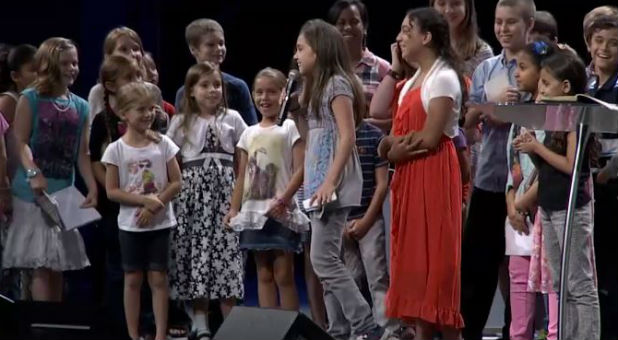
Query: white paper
pixel 69 201
pixel 495 87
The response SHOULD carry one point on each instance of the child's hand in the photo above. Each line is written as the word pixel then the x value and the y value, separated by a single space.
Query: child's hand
pixel 228 217
pixel 526 142
pixel 90 201
pixel 401 150
pixel 603 176
pixel 38 184
pixel 357 229
pixel 144 217
pixel 323 195
pixel 396 65
pixel 510 95
pixel 277 208
pixel 152 203
pixel 518 223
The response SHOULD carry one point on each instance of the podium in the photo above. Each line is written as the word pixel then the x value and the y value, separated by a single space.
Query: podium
pixel 586 115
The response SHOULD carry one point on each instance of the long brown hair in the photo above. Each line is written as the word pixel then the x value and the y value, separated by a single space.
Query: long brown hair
pixel 431 21
pixel 469 41
pixel 331 59
pixel 189 106
pixel 111 40
pixel 47 63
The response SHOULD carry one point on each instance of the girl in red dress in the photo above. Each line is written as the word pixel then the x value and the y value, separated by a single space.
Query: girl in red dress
pixel 426 188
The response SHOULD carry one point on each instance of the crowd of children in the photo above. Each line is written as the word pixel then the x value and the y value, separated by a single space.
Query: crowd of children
pixel 185 190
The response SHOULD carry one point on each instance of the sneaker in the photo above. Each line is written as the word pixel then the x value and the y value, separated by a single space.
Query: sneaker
pixel 374 334
pixel 399 333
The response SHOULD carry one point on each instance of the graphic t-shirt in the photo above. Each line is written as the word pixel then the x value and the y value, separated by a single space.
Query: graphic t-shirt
pixel 142 171
pixel 268 173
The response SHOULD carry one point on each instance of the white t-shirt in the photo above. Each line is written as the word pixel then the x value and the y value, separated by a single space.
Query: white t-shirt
pixel 229 127
pixel 440 81
pixel 267 175
pixel 142 171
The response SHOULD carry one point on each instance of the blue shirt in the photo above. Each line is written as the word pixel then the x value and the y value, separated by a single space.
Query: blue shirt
pixel 55 137
pixel 368 138
pixel 237 95
pixel 491 170
pixel 607 92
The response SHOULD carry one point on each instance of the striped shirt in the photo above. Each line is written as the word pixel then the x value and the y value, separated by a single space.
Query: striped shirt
pixel 368 138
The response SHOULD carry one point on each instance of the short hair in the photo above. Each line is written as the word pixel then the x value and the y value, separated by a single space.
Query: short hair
pixel 528 7
pixel 198 28
pixel 601 13
pixel 335 11
pixel 546 24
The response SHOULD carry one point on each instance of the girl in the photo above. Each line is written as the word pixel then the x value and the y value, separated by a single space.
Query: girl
pixel 426 188
pixel 152 76
pixel 143 177
pixel 563 73
pixel 333 103
pixel 521 187
pixel 465 41
pixel 16 74
pixel 51 136
pixel 271 156
pixel 119 41
pixel 107 126
pixel 208 263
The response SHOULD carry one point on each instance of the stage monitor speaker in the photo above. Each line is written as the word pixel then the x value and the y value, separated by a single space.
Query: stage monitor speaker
pixel 268 324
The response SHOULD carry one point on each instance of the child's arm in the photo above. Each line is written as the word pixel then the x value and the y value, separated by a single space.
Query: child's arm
pixel 344 117
pixel 528 200
pixel 5 191
pixel 239 186
pixel 23 126
pixel 609 171
pixel 516 217
pixel 529 144
pixel 298 159
pixel 174 182
pixel 380 106
pixel 464 165
pixel 360 227
pixel 98 169
pixel 85 169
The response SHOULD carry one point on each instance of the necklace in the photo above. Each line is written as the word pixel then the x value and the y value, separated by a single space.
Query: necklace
pixel 60 108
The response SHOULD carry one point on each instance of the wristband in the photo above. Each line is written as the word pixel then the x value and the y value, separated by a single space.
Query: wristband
pixel 395 75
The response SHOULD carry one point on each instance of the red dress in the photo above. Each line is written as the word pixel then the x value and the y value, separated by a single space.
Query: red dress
pixel 426 228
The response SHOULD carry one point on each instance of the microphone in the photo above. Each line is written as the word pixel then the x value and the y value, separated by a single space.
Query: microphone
pixel 289 88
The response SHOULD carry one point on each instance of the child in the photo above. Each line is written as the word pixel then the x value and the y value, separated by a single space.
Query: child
pixel 119 41
pixel 107 126
pixel 545 25
pixel 50 126
pixel 483 238
pixel 520 187
pixel 364 234
pixel 426 234
pixel 143 177
pixel 564 74
pixel 207 260
pixel 207 43
pixel 152 76
pixel 601 33
pixel 332 104
pixel 270 173
pixel 17 73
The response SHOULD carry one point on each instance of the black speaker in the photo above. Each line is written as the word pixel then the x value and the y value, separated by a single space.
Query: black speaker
pixel 268 324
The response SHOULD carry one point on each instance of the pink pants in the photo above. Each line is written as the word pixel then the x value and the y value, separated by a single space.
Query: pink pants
pixel 523 302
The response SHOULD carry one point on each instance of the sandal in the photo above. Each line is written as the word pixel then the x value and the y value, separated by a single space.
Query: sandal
pixel 201 335
pixel 178 332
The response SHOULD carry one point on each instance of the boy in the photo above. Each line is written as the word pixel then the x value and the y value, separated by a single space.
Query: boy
pixel 363 242
pixel 601 36
pixel 483 244
pixel 206 42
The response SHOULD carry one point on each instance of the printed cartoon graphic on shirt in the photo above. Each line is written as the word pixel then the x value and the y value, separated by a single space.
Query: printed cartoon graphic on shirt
pixel 263 166
pixel 142 178
pixel 55 146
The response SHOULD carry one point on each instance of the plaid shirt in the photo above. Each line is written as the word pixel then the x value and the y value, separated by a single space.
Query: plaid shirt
pixel 371 69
